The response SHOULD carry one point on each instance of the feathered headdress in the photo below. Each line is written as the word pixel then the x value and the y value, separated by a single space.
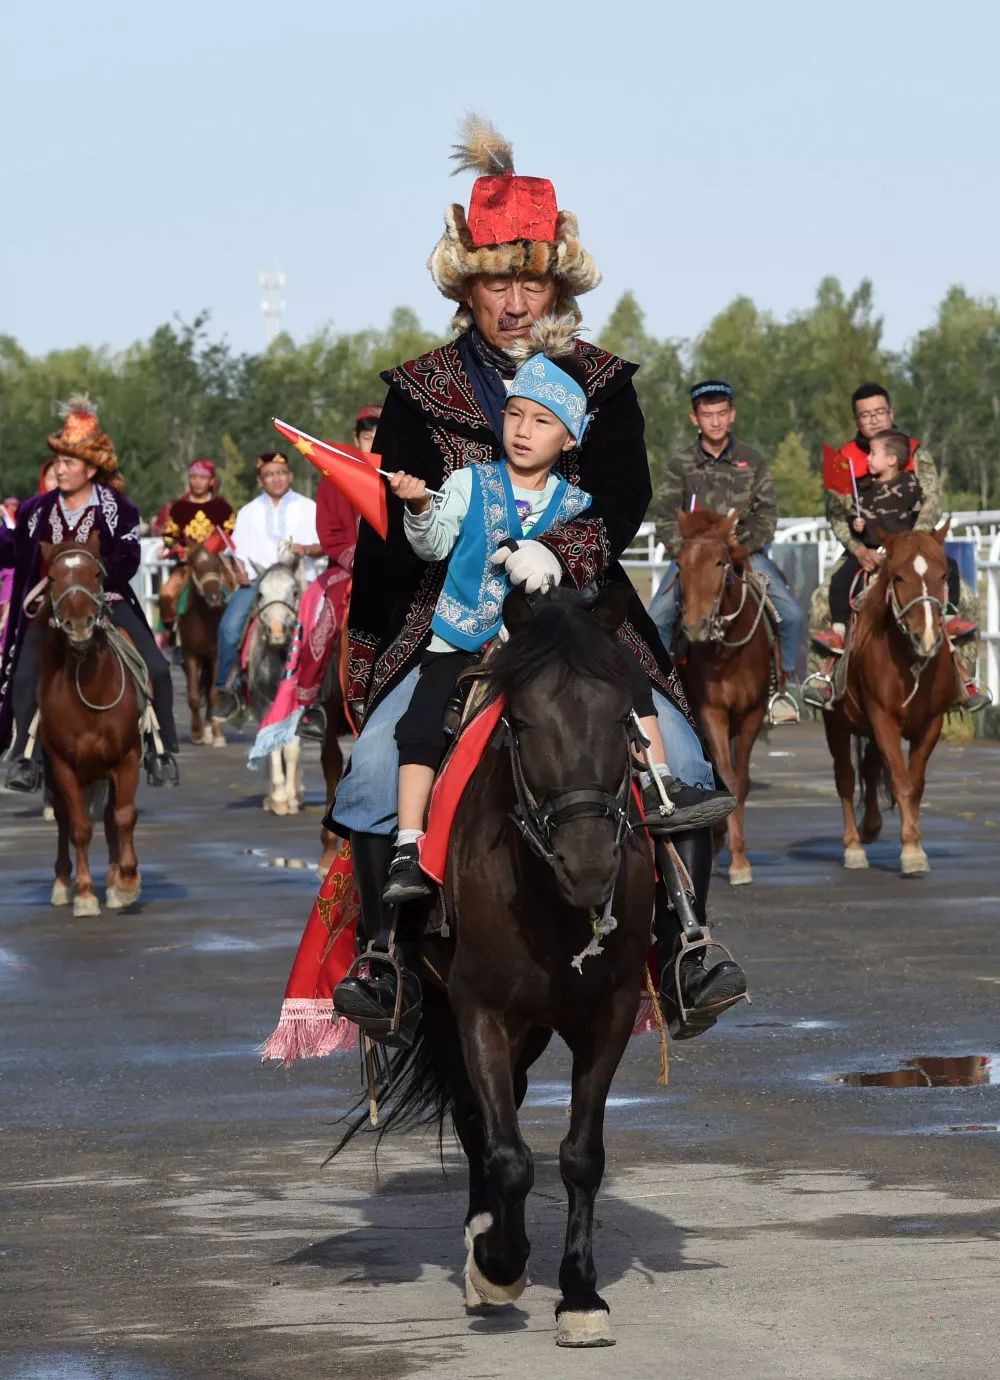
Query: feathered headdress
pixel 513 226
pixel 552 336
pixel 547 373
pixel 81 438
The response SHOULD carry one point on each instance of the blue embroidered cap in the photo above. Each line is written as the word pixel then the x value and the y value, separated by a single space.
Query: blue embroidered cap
pixel 542 381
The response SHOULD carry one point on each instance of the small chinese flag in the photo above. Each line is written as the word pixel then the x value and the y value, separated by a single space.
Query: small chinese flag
pixel 836 472
pixel 354 472
pixel 218 541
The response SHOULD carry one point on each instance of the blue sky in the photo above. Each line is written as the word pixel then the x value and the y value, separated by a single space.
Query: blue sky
pixel 158 157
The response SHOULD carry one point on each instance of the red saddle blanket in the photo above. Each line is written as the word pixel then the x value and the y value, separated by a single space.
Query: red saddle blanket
pixel 308 1026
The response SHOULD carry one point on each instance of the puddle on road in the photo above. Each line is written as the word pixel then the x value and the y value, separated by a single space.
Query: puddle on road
pixel 79 1365
pixel 928 1071
pixel 265 860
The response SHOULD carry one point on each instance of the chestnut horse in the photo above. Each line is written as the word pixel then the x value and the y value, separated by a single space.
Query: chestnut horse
pixel 198 635
pixel 726 667
pixel 900 682
pixel 89 727
pixel 541 847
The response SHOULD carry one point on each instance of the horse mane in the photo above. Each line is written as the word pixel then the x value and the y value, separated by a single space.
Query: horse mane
pixel 560 632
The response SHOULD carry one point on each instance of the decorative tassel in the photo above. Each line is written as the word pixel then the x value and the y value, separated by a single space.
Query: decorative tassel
pixel 661 1029
pixel 307 1029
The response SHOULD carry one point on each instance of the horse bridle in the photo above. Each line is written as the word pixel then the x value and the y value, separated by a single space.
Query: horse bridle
pixel 97 599
pixel 537 820
pixel 718 621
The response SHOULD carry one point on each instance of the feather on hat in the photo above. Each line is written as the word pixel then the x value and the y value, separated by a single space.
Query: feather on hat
pixel 81 438
pixel 513 226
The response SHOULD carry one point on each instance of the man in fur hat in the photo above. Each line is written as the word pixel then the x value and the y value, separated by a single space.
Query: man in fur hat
pixel 513 259
pixel 88 498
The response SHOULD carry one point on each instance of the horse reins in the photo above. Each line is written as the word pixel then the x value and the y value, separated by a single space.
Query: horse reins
pixel 537 820
pixel 718 620
pixel 921 662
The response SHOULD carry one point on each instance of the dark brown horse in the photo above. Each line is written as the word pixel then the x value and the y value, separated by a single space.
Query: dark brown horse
pixel 900 683
pixel 198 635
pixel 540 853
pixel 726 667
pixel 89 727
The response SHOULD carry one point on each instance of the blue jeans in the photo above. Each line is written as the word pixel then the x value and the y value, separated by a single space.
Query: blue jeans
pixel 366 796
pixel 663 609
pixel 231 630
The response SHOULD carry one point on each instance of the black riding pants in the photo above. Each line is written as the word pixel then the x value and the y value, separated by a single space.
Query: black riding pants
pixel 123 616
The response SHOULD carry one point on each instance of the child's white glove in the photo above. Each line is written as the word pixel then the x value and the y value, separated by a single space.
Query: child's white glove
pixel 530 564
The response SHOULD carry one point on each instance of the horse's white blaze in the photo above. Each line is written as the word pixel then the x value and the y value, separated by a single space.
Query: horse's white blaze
pixel 920 565
pixel 71 562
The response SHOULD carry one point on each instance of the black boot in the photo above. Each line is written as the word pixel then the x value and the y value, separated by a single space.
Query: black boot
pixel 705 991
pixel 25 776
pixel 371 1002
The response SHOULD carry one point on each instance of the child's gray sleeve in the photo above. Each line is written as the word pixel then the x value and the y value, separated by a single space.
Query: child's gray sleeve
pixel 433 534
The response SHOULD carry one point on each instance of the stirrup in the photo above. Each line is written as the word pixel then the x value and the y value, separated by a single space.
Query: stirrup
pixel 812 695
pixel 683 1022
pixel 782 697
pixel 400 1028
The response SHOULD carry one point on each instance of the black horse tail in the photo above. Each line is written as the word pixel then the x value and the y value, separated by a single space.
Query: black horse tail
pixel 414 1087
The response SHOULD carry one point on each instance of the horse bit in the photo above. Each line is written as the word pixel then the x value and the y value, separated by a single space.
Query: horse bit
pixel 718 621
pixel 899 614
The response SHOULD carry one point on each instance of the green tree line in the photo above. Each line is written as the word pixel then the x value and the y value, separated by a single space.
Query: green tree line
pixel 183 393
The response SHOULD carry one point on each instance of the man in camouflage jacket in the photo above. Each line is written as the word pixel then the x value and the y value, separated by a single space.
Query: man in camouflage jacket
pixel 718 472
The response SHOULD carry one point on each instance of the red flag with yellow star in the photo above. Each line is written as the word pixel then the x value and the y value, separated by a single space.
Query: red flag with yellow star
pixel 355 473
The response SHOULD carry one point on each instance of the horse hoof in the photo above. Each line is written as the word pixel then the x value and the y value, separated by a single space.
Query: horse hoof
pixel 49 815
pixel 480 1291
pixel 277 807
pixel 592 1328
pixel 740 876
pixel 855 858
pixel 117 899
pixel 218 741
pixel 85 906
pixel 61 895
pixel 913 863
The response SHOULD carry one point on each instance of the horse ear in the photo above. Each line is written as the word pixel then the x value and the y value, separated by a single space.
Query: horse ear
pixel 612 605
pixel 259 570
pixel 46 548
pixel 517 611
pixel 684 522
pixel 940 534
pixel 93 542
pixel 887 539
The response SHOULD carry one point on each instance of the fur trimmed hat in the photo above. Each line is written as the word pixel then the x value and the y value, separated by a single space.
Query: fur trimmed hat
pixel 513 226
pixel 81 438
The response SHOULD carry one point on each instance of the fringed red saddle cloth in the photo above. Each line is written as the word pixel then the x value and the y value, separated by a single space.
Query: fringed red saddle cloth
pixel 308 1027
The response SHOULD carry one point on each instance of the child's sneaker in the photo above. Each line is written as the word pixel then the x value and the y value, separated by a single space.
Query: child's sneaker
pixel 406 880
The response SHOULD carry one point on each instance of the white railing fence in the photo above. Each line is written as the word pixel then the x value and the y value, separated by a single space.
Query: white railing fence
pixel 647 560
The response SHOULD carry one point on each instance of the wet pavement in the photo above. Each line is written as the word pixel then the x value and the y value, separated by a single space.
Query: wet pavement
pixel 815 1194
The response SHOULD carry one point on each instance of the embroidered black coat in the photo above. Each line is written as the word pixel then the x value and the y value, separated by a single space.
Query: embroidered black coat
pixel 433 424
pixel 116 522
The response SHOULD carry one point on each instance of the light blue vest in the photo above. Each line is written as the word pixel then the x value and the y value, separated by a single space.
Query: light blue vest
pixel 470 609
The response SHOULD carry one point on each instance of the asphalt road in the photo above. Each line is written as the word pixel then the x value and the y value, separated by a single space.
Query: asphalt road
pixel 164 1210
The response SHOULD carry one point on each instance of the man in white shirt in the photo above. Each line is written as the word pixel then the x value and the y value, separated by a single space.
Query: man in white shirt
pixel 277 515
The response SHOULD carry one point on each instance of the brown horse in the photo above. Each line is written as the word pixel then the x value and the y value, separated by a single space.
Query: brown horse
pixel 900 683
pixel 727 665
pixel 198 634
pixel 89 727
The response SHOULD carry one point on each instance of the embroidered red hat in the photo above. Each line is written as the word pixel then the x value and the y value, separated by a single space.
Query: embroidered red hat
pixel 513 226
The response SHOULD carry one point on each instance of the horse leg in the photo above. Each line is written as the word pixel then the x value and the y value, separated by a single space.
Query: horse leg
pixel 913 860
pixel 838 739
pixel 81 831
pixel 740 872
pixel 597 1048
pixel 112 840
pixel 292 753
pixel 191 671
pixel 127 885
pixel 916 864
pixel 275 799
pixel 871 771
pixel 498 1245
pixel 213 729
pixel 62 886
pixel 716 724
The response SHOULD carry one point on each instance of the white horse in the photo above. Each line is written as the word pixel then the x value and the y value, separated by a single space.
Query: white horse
pixel 276 612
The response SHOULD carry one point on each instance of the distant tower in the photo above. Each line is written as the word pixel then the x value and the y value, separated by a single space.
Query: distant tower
pixel 272 304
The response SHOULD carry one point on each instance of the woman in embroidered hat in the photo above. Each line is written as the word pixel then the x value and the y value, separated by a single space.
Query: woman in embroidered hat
pixel 87 498
pixel 514 258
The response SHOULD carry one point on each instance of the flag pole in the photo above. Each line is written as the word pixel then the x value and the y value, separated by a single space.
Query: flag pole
pixel 344 454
